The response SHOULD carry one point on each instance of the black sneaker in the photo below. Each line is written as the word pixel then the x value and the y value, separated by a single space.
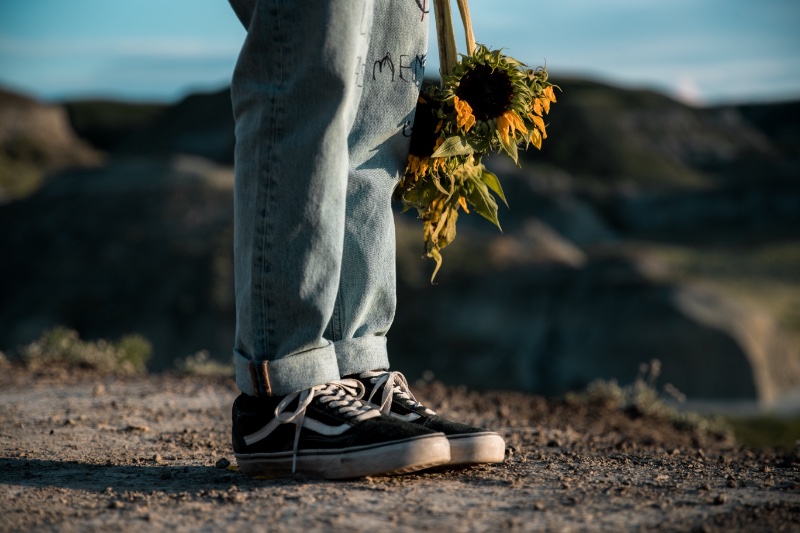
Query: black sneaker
pixel 389 392
pixel 327 431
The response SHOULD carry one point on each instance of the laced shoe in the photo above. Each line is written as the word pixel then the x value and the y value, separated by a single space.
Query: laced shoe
pixel 389 392
pixel 335 436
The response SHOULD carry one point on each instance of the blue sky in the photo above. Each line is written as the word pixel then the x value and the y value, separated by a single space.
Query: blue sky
pixel 702 51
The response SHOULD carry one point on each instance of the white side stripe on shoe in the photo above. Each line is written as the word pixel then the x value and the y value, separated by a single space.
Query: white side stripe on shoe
pixel 324 429
pixel 408 418
pixel 314 425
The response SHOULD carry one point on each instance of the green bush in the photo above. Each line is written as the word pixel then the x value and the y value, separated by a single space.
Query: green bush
pixel 62 346
pixel 201 364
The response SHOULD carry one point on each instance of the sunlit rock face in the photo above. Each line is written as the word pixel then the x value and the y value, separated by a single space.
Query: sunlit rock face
pixel 35 140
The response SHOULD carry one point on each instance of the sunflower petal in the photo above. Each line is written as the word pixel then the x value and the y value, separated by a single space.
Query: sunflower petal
pixel 539 124
pixel 465 119
pixel 545 104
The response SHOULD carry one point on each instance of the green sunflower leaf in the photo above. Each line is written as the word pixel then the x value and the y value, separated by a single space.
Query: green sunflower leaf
pixel 455 145
pixel 510 148
pixel 410 198
pixel 482 200
pixel 493 183
pixel 438 185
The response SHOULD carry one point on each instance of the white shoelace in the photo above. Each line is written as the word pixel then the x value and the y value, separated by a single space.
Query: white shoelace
pixel 342 395
pixel 393 385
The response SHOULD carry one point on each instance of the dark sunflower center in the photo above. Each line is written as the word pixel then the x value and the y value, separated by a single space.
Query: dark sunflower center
pixel 488 93
pixel 423 136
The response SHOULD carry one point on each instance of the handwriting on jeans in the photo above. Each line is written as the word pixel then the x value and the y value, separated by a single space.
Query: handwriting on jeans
pixel 423 7
pixel 408 68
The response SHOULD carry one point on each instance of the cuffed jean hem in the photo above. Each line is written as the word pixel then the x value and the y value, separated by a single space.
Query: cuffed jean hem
pixel 361 354
pixel 287 375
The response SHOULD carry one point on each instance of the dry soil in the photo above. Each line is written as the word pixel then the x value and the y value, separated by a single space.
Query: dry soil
pixel 84 452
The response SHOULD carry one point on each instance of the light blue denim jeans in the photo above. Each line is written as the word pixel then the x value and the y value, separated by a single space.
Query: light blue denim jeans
pixel 323 93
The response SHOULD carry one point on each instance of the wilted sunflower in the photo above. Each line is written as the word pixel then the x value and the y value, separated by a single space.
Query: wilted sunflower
pixel 490 103
pixel 426 137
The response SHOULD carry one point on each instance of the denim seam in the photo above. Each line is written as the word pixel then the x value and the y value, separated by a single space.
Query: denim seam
pixel 336 319
pixel 267 333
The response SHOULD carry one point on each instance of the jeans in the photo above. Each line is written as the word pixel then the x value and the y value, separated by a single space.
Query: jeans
pixel 323 95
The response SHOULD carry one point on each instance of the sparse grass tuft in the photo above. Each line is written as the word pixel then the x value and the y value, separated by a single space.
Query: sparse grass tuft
pixel 643 397
pixel 63 347
pixel 201 364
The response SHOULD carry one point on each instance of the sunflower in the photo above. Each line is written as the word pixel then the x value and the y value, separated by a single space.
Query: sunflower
pixel 425 139
pixel 495 103
pixel 490 103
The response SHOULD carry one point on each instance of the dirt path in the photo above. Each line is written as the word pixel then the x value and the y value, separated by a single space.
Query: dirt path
pixel 80 453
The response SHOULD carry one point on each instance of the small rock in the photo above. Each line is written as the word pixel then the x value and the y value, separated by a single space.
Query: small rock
pixel 136 427
pixel 222 464
pixel 719 499
pixel 99 390
pixel 157 458
pixel 539 506
pixel 116 504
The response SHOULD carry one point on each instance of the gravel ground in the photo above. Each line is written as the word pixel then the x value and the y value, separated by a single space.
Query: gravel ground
pixel 83 452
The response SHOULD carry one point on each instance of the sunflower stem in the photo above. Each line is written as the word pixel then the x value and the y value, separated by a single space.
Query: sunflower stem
pixel 445 34
pixel 466 20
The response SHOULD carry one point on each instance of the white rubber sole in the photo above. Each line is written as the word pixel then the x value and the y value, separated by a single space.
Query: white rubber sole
pixel 476 448
pixel 397 457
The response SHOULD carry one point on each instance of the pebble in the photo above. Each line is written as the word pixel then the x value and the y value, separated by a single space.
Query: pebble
pixel 222 464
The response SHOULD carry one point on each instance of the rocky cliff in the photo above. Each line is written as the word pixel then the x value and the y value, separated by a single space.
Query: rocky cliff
pixel 645 229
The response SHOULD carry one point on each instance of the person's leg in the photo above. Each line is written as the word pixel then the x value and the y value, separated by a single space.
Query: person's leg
pixel 295 93
pixel 378 145
pixel 365 304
